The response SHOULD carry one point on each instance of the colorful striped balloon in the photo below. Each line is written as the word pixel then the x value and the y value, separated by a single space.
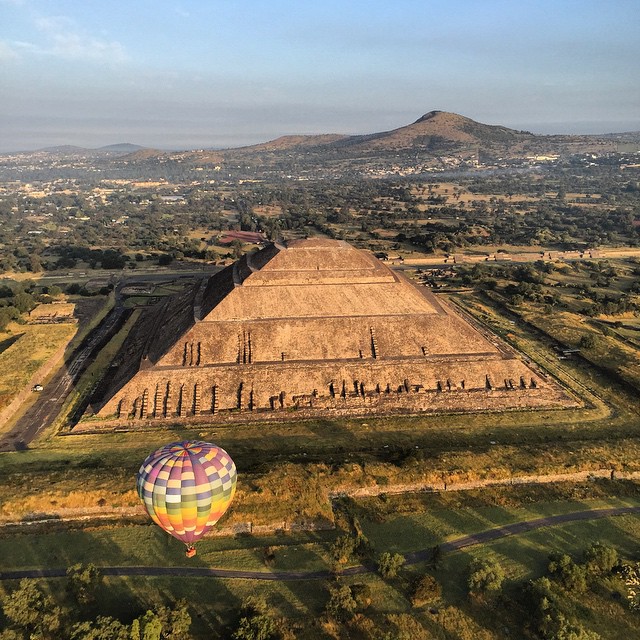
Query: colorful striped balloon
pixel 186 487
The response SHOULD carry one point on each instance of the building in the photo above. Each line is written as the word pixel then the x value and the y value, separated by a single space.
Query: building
pixel 311 327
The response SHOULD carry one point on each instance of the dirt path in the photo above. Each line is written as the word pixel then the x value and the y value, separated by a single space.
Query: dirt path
pixel 411 558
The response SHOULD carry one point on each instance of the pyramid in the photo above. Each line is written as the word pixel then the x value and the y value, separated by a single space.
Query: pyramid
pixel 312 327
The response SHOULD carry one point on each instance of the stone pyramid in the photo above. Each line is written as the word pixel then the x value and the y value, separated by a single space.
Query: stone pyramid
pixel 307 328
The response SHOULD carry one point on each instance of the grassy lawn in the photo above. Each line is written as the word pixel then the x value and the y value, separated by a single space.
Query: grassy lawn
pixel 407 522
pixel 147 545
pixel 420 521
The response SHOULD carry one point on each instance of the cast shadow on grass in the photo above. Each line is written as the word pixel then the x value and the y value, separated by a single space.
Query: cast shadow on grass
pixel 125 597
pixel 7 342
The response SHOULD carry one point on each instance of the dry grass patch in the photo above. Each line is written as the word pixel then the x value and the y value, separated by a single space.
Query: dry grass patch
pixel 35 345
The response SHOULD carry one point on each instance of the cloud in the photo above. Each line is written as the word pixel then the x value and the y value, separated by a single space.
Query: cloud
pixel 67 42
pixel 64 40
pixel 6 52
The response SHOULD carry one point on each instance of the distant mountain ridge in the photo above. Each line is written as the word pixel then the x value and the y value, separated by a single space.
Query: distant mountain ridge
pixel 436 141
pixel 432 127
pixel 121 148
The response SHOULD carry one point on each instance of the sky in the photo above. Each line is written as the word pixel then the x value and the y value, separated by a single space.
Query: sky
pixel 223 73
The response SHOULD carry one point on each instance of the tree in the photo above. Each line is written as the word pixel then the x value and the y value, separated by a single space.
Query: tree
pixel 103 628
pixel 361 594
pixel 169 622
pixel 349 545
pixel 29 609
pixel 237 245
pixel 587 341
pixel 436 557
pixel 35 263
pixel 425 589
pixel 73 288
pixel 54 291
pixel 7 314
pixel 82 582
pixel 342 604
pixel 255 623
pixel 572 576
pixel 343 548
pixel 134 632
pixel 179 622
pixel 260 627
pixel 150 626
pixel 24 302
pixel 600 558
pixel 485 576
pixel 389 564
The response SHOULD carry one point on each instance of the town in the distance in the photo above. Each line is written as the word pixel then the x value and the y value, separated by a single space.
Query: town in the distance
pixel 381 386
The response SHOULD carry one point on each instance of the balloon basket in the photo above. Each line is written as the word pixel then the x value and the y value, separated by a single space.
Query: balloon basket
pixel 190 552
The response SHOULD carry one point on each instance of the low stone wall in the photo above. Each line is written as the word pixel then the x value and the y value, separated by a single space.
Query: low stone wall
pixel 249 528
pixel 577 476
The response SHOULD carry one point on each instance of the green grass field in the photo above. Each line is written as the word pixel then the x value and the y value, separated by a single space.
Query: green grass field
pixel 391 523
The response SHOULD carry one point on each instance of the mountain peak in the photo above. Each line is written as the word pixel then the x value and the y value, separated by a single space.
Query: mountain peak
pixel 431 115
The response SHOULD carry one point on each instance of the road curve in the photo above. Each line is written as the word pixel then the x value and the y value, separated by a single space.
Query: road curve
pixel 286 576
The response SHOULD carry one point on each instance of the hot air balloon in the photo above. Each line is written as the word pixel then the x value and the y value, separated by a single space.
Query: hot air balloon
pixel 186 487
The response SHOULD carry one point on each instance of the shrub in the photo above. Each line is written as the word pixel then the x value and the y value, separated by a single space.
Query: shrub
pixel 600 558
pixel 361 594
pixel 485 576
pixel 255 623
pixel 572 576
pixel 389 564
pixel 341 605
pixel 425 589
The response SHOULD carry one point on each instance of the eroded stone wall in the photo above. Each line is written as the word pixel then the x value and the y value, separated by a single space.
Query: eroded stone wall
pixel 374 386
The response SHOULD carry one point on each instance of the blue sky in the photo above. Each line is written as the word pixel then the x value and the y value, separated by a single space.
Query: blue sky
pixel 201 73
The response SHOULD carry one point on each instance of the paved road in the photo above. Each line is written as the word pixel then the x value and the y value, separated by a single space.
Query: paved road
pixel 287 576
pixel 49 402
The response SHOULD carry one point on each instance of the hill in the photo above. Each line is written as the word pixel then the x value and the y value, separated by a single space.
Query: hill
pixel 437 141
pixel 111 150
pixel 436 130
pixel 121 148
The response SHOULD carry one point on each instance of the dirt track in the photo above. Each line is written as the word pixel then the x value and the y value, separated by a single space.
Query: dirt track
pixel 411 558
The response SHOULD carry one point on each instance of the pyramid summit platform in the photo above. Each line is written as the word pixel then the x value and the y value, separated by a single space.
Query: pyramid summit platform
pixel 311 328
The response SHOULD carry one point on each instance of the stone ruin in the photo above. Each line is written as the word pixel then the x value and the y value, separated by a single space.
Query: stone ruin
pixel 311 328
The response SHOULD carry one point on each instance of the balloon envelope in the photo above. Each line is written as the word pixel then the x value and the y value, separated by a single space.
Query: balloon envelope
pixel 186 487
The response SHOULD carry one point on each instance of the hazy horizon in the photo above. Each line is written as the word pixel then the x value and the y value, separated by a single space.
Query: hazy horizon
pixel 196 141
pixel 184 75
